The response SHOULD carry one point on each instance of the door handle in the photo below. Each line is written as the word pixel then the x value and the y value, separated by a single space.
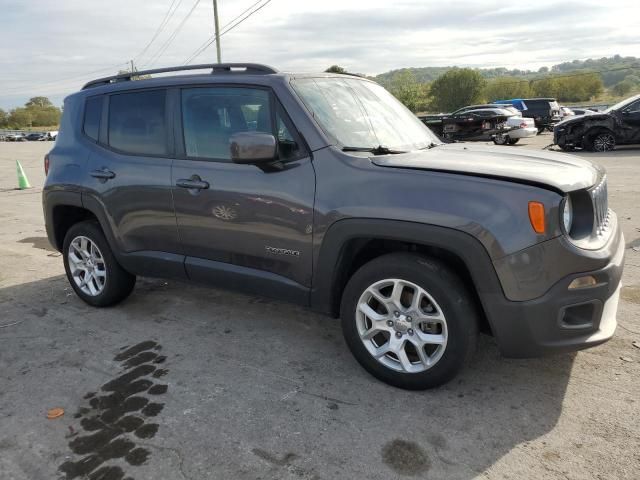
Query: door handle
pixel 194 183
pixel 103 174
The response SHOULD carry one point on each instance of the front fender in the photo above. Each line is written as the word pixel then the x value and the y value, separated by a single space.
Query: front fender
pixel 333 252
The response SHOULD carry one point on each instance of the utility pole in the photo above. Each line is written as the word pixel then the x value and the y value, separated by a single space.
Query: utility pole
pixel 215 19
pixel 132 67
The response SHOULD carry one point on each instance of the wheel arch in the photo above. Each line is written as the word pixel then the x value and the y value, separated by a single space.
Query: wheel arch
pixel 350 243
pixel 63 209
pixel 593 129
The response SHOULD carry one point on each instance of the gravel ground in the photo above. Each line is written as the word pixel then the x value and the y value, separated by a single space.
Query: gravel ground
pixel 241 387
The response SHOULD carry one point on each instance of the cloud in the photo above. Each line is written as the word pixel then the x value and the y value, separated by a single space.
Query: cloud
pixel 52 48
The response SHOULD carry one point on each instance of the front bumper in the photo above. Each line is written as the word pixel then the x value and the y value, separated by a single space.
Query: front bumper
pixel 562 320
pixel 563 139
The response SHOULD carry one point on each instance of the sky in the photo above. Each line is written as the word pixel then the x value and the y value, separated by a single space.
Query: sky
pixel 52 47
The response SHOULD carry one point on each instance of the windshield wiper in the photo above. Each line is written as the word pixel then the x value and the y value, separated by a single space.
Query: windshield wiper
pixel 379 150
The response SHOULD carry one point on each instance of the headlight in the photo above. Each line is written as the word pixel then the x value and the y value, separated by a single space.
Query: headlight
pixel 567 215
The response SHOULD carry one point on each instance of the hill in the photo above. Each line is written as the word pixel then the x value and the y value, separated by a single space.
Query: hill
pixel 612 69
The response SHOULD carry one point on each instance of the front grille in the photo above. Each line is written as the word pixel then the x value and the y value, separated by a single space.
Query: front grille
pixel 600 206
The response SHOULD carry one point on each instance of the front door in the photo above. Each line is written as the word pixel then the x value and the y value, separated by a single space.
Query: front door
pixel 241 225
pixel 630 120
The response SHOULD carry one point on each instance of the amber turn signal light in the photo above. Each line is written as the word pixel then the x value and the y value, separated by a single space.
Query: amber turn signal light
pixel 536 216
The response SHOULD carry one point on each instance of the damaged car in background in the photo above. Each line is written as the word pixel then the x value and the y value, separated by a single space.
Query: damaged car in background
pixel 501 123
pixel 601 131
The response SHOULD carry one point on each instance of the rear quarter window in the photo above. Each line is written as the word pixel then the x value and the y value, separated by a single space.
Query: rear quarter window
pixel 92 116
pixel 137 123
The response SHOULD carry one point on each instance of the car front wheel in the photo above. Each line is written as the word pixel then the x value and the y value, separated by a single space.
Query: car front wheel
pixel 600 141
pixel 409 320
pixel 92 269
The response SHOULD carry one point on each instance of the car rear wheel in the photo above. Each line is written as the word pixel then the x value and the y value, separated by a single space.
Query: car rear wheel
pixel 600 141
pixel 501 139
pixel 513 141
pixel 92 269
pixel 409 320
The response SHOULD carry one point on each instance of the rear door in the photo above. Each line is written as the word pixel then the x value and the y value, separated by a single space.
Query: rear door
pixel 254 224
pixel 129 169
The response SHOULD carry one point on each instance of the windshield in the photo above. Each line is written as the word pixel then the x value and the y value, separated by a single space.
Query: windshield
pixel 362 114
pixel 622 104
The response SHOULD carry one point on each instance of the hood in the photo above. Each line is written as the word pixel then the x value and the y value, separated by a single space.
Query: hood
pixel 581 118
pixel 558 171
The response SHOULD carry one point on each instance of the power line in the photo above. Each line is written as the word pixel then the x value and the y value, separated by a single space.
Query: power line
pixel 205 43
pixel 63 80
pixel 167 17
pixel 170 40
pixel 213 39
pixel 230 28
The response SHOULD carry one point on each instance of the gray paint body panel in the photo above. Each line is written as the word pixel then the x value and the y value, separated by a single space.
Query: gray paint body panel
pixel 561 172
pixel 492 210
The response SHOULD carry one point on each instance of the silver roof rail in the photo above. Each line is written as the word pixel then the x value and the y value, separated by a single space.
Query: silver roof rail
pixel 247 68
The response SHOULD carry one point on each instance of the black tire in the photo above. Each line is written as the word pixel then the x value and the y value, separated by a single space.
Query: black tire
pixel 513 141
pixel 118 284
pixel 599 140
pixel 445 287
pixel 541 129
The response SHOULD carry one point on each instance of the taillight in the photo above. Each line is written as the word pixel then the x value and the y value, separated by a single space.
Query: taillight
pixel 46 164
pixel 523 125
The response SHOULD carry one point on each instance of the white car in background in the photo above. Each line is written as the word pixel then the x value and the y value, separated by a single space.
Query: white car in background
pixel 566 112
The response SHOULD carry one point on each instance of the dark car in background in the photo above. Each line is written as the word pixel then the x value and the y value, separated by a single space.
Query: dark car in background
pixel 434 121
pixel 545 111
pixel 601 131
pixel 501 123
pixel 37 137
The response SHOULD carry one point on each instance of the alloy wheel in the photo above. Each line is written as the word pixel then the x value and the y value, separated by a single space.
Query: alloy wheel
pixel 604 142
pixel 401 325
pixel 87 266
pixel 501 139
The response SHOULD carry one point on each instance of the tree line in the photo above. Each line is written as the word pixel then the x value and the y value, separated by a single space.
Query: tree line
pixel 613 70
pixel 458 87
pixel 463 86
pixel 37 112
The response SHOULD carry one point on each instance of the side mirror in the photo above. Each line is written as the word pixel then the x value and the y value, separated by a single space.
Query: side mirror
pixel 252 147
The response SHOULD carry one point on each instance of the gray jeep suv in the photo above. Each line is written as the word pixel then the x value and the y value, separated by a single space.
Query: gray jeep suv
pixel 325 191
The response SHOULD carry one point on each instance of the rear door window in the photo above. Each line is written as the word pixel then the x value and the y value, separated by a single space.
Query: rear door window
pixel 137 122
